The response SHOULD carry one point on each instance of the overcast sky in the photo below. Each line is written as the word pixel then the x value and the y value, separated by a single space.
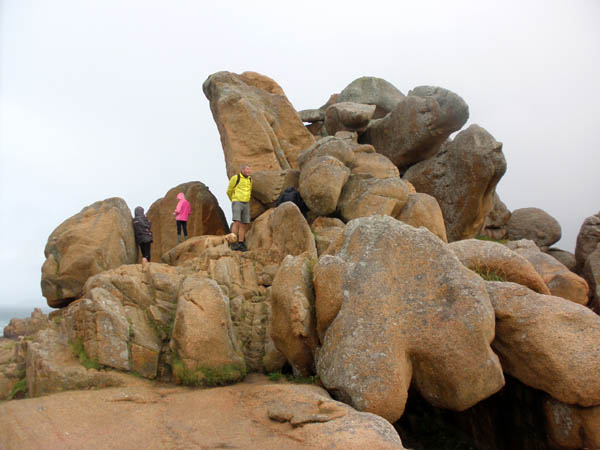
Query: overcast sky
pixel 104 98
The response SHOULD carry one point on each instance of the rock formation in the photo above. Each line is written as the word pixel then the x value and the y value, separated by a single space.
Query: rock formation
pixel 462 177
pixel 206 217
pixel 587 240
pixel 408 312
pixel 98 238
pixel 534 224
pixel 560 280
pixel 257 123
pixel 418 125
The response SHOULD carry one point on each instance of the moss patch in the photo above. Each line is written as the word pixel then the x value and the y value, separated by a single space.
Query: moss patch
pixel 19 390
pixel 207 376
pixel 80 353
pixel 278 376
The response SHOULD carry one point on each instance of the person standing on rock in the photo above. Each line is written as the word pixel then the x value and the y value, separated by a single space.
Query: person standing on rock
pixel 181 213
pixel 239 192
pixel 142 233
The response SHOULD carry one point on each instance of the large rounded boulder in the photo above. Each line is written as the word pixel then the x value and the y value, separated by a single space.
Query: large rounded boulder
pixel 534 224
pixel 206 217
pixel 98 238
pixel 404 311
pixel 463 178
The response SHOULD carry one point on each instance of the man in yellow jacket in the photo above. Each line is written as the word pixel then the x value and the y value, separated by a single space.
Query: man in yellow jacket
pixel 239 192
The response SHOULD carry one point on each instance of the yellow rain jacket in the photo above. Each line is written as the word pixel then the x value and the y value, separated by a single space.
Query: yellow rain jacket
pixel 239 191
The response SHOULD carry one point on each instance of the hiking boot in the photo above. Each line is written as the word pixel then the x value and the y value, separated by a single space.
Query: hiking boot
pixel 242 247
pixel 235 246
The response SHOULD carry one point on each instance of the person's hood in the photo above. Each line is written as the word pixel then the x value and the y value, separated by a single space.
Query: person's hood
pixel 180 196
pixel 139 211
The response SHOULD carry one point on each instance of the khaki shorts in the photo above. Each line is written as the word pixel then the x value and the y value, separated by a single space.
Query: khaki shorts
pixel 241 212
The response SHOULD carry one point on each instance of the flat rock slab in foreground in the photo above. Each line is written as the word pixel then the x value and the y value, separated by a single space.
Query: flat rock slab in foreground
pixel 249 415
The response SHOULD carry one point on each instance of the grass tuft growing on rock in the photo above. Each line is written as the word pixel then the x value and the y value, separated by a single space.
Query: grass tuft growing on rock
pixel 489 274
pixel 19 390
pixel 207 376
pixel 482 237
pixel 278 376
pixel 80 353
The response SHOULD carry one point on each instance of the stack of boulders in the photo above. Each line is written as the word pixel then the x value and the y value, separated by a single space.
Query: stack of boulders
pixel 378 288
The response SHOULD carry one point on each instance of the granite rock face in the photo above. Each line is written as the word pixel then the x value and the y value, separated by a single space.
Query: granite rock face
pixel 293 327
pixel 409 312
pixel 534 224
pixel 98 238
pixel 462 177
pixel 257 123
pixel 372 91
pixel 562 335
pixel 560 280
pixel 423 210
pixel 493 258
pixel 587 240
pixel 206 217
pixel 418 125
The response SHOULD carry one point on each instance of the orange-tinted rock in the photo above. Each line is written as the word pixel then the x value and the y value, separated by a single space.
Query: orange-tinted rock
pixel 547 343
pixel 560 280
pixel 206 217
pixel 493 258
pixel 572 427
pixel 293 327
pixel 411 314
pixel 462 177
pixel 98 238
pixel 257 123
pixel 423 210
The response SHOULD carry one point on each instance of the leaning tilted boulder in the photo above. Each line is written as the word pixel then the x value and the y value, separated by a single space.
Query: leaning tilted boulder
pixel 257 123
pixel 491 258
pixel 348 116
pixel 372 91
pixel 365 196
pixel 587 240
pixel 98 238
pixel 560 280
pixel 534 224
pixel 293 327
pixel 409 314
pixel 418 125
pixel 463 178
pixel 547 343
pixel 423 210
pixel 206 217
pixel 205 349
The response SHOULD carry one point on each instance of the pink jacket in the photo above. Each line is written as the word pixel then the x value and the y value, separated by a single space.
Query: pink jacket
pixel 182 212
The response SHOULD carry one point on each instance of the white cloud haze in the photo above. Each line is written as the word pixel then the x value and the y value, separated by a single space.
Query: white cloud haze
pixel 104 98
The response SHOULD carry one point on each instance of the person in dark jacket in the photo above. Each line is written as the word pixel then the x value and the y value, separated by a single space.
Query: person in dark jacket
pixel 292 195
pixel 142 233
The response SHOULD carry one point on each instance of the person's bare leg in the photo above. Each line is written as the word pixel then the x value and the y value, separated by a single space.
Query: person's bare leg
pixel 242 234
pixel 235 229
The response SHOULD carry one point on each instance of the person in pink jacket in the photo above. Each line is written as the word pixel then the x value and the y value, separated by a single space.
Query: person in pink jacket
pixel 181 213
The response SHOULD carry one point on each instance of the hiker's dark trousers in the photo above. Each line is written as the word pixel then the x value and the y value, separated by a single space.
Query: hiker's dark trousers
pixel 182 224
